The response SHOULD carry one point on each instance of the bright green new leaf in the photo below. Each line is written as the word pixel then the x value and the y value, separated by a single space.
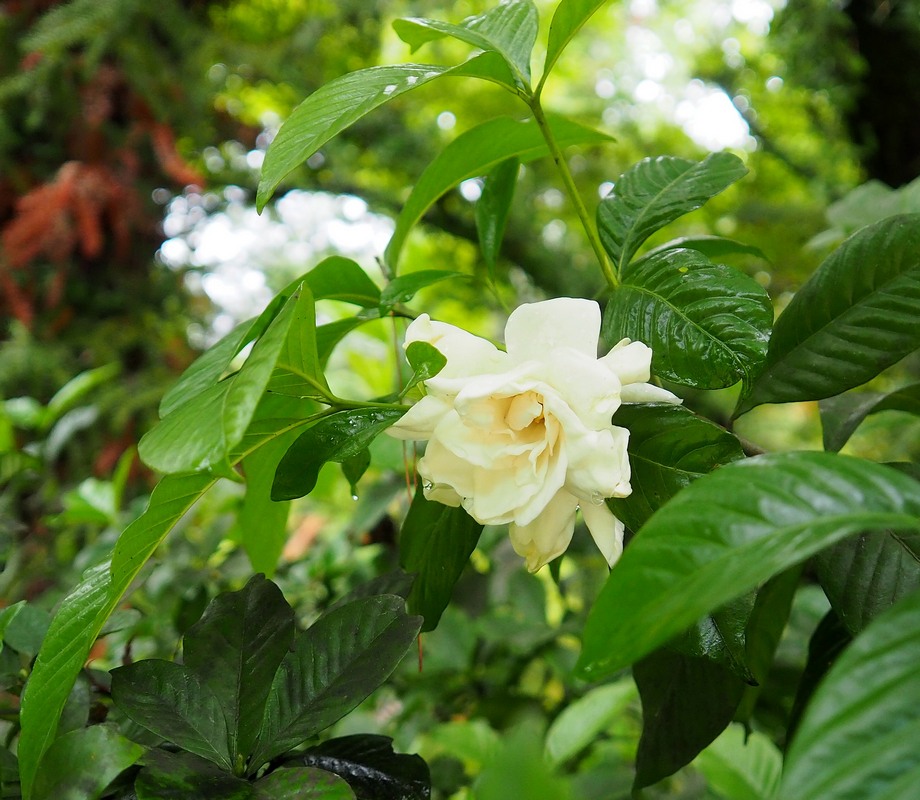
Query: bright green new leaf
pixel 337 437
pixel 509 29
pixel 707 324
pixel 858 736
pixel 75 390
pixel 404 288
pixel 657 191
pixel 297 783
pixel 492 209
pixel 854 317
pixel 741 765
pixel 842 415
pixel 80 765
pixel 569 17
pixel 334 665
pixel 435 542
pixel 342 102
pixel 475 152
pixel 728 532
pixel 426 362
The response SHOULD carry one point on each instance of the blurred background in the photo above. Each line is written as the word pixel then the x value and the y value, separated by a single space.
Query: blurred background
pixel 131 138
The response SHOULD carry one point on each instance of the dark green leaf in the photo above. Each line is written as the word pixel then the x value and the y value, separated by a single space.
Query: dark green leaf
pixel 182 776
pixel 657 191
pixel 669 447
pixel 334 665
pixel 707 324
pixel 396 582
pixel 369 765
pixel 404 288
pixel 493 206
pixel 297 783
pixel 721 637
pixel 509 29
pixel 476 152
pixel 171 701
pixel 713 247
pixel 79 765
pixel 435 542
pixel 235 650
pixel 686 703
pixel 842 415
pixel 341 102
pixel 728 532
pixel 865 574
pixel 854 317
pixel 858 735
pixel 339 278
pixel 354 467
pixel 337 437
pixel 426 362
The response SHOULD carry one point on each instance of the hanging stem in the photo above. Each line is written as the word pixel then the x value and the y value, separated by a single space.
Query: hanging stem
pixel 569 183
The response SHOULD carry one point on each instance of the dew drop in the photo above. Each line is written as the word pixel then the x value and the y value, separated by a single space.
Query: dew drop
pixel 597 499
pixel 412 80
pixel 390 88
pixel 428 486
pixel 354 497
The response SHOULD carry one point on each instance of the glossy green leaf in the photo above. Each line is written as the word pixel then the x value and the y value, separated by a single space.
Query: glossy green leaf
pixel 867 709
pixel 476 152
pixel 182 776
pixel 727 533
pixel 741 765
pixel 842 415
pixel 865 574
pixel 79 765
pixel 657 191
pixel 426 362
pixel 82 614
pixel 854 317
pixel 174 703
pixel 337 437
pixel 405 287
pixel 235 650
pixel 296 783
pixel 396 582
pixel 343 101
pixel 435 543
pixel 369 765
pixel 713 247
pixel 686 703
pixel 669 447
pixel 509 29
pixel 493 206
pixel 707 324
pixel 202 432
pixel 583 721
pixel 333 666
pixel 568 18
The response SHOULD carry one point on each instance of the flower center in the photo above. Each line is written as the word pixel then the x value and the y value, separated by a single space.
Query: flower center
pixel 524 410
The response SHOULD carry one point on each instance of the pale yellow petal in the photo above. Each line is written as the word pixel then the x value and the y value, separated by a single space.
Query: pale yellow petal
pixel 548 535
pixel 605 529
pixel 533 329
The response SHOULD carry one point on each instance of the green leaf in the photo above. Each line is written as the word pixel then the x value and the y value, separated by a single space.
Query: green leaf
pixel 686 703
pixel 493 206
pixel 404 288
pixel 174 703
pixel 741 765
pixel 339 278
pixel 657 191
pixel 295 783
pixel 79 765
pixel 25 630
pixel 396 582
pixel 298 371
pixel 426 362
pixel 669 447
pixel 865 574
pixel 583 721
pixel 82 614
pixel 334 665
pixel 713 247
pixel 369 765
pixel 842 415
pixel 330 334
pixel 343 101
pixel 202 432
pixel 75 390
pixel 727 533
pixel 435 542
pixel 337 437
pixel 867 709
pixel 854 317
pixel 181 776
pixel 509 29
pixel 568 18
pixel 476 152
pixel 235 650
pixel 707 324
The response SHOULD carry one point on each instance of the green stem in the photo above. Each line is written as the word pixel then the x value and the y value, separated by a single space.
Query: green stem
pixel 572 190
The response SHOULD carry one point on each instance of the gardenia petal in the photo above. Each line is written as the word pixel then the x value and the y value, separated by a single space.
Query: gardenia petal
pixel 466 354
pixel 549 534
pixel 647 393
pixel 606 530
pixel 535 329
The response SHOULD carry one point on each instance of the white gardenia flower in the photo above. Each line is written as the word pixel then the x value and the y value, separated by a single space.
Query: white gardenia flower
pixel 525 436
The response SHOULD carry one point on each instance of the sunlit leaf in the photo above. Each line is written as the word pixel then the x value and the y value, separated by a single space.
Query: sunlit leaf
pixel 568 18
